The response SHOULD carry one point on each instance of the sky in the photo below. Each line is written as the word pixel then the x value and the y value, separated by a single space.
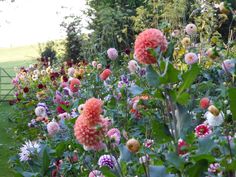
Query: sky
pixel 32 21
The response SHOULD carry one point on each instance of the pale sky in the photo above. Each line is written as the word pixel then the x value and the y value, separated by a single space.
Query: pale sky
pixel 32 21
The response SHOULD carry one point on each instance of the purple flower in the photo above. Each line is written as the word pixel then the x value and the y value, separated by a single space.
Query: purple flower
pixel 112 53
pixel 45 106
pixel 142 72
pixel 107 160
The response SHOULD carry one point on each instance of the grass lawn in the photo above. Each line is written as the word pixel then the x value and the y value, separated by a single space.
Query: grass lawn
pixel 6 143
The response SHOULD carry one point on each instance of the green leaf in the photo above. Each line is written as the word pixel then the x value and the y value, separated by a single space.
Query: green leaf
pixel 158 171
pixel 171 75
pixel 198 169
pixel 188 78
pixel 175 160
pixel 125 154
pixel 45 161
pixel 160 131
pixel 183 98
pixel 152 76
pixel 170 51
pixel 205 145
pixel 135 90
pixel 60 148
pixel 106 171
pixel 184 121
pixel 30 174
pixel 208 157
pixel 232 101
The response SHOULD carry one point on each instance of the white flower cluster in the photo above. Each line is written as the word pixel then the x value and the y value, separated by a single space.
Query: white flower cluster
pixel 28 149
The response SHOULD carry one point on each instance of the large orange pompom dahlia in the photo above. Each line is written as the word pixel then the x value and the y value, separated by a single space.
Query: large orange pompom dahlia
pixel 90 127
pixel 89 136
pixel 150 38
pixel 92 110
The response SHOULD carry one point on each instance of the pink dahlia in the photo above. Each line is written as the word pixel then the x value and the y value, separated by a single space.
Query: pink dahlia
pixel 112 53
pixel 53 128
pixel 74 85
pixel 191 58
pixel 105 74
pixel 95 173
pixel 114 134
pixel 202 131
pixel 149 39
pixel 214 168
pixel 182 147
pixel 191 29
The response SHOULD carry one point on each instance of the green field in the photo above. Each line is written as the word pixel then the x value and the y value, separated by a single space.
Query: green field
pixel 15 57
pixel 18 56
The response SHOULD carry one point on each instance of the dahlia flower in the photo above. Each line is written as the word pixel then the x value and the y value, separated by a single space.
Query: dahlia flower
pixel 89 136
pixel 191 58
pixel 149 39
pixel 112 53
pixel 175 33
pixel 185 41
pixel 133 66
pixel 95 173
pixel 133 145
pixel 94 64
pixel 92 109
pixel 105 74
pixel 114 134
pixel 148 143
pixel 214 168
pixel 205 103
pixel 64 116
pixel 40 111
pixel 53 128
pixel 58 97
pixel 99 66
pixel 90 127
pixel 202 131
pixel 214 120
pixel 28 149
pixel 71 72
pixel 107 160
pixel 144 159
pixel 181 147
pixel 191 29
pixel 74 85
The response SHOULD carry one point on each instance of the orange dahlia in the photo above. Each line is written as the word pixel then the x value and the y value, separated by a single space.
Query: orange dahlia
pixel 89 136
pixel 149 39
pixel 105 74
pixel 92 110
pixel 90 127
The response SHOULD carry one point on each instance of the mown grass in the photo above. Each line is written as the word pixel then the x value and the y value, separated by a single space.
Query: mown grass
pixel 6 141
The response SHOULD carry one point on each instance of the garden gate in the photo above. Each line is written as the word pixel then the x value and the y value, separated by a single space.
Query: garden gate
pixel 6 87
